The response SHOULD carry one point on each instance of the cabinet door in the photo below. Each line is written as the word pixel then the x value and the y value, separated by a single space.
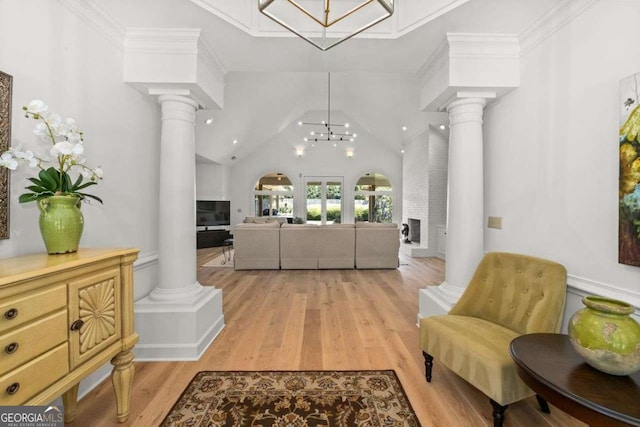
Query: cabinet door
pixel 94 301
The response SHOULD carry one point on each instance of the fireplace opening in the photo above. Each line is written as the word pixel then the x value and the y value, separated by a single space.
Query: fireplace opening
pixel 414 230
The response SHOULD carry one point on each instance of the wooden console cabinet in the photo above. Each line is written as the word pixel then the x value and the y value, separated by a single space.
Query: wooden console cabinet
pixel 61 318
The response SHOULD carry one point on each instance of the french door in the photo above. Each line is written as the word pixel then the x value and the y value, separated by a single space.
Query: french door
pixel 323 195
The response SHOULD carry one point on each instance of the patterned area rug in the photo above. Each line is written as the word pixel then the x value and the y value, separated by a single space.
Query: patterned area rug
pixel 296 399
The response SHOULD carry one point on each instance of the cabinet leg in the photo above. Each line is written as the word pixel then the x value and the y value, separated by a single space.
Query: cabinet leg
pixel 70 403
pixel 122 378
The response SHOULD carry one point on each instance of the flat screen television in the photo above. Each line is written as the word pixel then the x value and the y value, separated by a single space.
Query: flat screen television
pixel 212 213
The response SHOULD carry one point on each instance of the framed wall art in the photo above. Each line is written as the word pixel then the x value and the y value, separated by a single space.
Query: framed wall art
pixel 5 136
pixel 629 178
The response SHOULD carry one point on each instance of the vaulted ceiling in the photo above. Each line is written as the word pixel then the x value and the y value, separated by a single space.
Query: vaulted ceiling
pixel 274 79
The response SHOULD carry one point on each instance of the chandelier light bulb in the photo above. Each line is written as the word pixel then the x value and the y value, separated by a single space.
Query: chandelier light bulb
pixel 442 127
pixel 305 139
pixel 209 120
pixel 346 125
pixel 235 141
pixel 335 144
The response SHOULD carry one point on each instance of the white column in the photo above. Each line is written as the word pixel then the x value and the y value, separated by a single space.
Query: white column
pixel 465 222
pixel 177 218
pixel 465 213
pixel 180 318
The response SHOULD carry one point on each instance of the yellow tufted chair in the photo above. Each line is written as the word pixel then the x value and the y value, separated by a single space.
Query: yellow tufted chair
pixel 509 295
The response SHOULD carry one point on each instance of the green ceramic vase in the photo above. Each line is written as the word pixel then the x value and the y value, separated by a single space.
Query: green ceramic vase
pixel 606 336
pixel 61 223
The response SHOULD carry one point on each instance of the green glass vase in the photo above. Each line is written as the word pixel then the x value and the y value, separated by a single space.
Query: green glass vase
pixel 61 223
pixel 605 335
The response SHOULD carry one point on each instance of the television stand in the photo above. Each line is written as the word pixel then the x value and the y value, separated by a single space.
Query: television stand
pixel 211 238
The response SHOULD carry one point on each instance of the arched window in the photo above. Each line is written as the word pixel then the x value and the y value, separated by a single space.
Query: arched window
pixel 273 196
pixel 373 198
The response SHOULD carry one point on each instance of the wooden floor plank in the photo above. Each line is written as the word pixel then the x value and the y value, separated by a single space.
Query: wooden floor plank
pixel 306 320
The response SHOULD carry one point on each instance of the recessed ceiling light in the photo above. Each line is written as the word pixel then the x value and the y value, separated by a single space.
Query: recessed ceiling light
pixel 404 128
pixel 209 120
pixel 235 141
pixel 443 127
pixel 402 151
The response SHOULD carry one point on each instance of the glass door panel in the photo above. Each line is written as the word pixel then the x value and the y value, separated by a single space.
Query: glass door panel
pixel 334 202
pixel 314 202
pixel 323 200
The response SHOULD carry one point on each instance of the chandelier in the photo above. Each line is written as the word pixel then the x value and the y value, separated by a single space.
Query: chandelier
pixel 328 132
pixel 339 20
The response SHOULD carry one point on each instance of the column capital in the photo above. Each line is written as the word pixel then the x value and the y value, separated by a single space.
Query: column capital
pixel 463 110
pixel 175 107
pixel 465 62
pixel 174 60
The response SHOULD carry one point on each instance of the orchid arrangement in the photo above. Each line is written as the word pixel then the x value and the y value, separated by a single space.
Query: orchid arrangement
pixel 65 148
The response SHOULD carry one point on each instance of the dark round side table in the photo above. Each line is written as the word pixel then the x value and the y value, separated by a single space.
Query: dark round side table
pixel 550 366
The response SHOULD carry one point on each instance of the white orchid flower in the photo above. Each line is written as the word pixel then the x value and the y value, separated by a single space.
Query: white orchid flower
pixel 7 160
pixel 28 157
pixel 42 131
pixel 64 156
pixel 36 106
pixel 63 148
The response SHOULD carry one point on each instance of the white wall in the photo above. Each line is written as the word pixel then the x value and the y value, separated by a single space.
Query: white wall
pixel 78 73
pixel 322 160
pixel 551 150
pixel 212 181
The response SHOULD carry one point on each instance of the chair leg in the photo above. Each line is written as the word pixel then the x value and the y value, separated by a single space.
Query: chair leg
pixel 498 413
pixel 544 406
pixel 428 365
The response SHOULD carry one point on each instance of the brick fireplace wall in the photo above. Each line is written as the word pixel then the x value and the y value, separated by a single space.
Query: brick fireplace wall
pixel 424 189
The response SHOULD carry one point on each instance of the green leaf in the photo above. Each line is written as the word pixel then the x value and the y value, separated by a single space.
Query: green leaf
pixel 67 186
pixel 36 188
pixel 77 183
pixel 48 182
pixel 36 182
pixel 32 197
pixel 85 185
pixel 90 196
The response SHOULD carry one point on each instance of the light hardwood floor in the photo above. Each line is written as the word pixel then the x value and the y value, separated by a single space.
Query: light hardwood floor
pixel 317 320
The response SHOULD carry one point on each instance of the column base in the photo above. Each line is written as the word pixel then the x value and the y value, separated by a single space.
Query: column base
pixel 437 300
pixel 178 330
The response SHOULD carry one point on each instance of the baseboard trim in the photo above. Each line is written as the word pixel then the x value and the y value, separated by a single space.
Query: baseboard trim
pixel 179 352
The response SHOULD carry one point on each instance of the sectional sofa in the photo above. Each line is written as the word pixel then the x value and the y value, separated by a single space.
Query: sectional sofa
pixel 273 245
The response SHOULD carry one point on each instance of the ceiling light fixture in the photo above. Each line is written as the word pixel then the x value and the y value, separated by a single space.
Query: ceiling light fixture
pixel 443 127
pixel 327 134
pixel 235 141
pixel 209 120
pixel 338 20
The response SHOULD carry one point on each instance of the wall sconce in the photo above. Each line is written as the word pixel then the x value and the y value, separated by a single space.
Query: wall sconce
pixel 299 151
pixel 349 153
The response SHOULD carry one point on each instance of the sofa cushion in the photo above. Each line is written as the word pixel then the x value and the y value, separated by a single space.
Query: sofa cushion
pixel 336 246
pixel 299 246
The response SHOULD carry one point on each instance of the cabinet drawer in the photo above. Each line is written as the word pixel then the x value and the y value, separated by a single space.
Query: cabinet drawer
pixel 23 344
pixel 35 376
pixel 18 310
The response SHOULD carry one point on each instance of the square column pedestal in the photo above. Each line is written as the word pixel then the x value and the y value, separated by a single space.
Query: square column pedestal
pixel 180 330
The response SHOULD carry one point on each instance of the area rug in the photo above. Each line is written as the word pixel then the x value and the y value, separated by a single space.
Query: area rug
pixel 298 398
pixel 217 261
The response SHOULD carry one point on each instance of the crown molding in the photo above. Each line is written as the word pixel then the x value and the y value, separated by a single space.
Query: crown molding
pixel 435 62
pixel 548 24
pixel 91 12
